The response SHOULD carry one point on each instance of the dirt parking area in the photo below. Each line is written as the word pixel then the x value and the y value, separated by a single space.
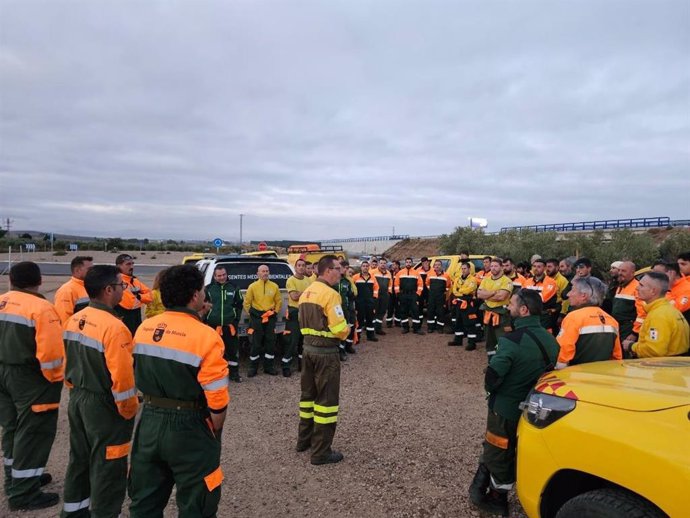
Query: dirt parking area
pixel 411 422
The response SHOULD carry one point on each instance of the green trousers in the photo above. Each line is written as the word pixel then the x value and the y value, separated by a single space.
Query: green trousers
pixel 293 344
pixel 263 339
pixel 99 439
pixel 174 447
pixel 499 450
pixel 28 416
pixel 318 405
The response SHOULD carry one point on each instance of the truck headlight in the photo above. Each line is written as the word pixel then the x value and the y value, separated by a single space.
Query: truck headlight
pixel 543 409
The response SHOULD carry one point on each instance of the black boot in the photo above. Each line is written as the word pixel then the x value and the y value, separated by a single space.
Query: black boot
pixel 235 374
pixel 299 364
pixel 496 502
pixel 418 331
pixel 253 369
pixel 342 354
pixel 480 483
pixel 456 341
pixel 270 369
pixel 405 330
pixel 349 349
pixel 471 346
pixel 371 337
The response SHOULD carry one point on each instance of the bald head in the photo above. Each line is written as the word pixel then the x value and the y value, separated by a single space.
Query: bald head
pixel 263 272
pixel 626 272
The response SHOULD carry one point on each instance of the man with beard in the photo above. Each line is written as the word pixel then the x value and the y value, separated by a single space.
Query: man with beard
pixel 135 296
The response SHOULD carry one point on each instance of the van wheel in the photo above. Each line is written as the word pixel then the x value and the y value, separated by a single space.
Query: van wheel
pixel 608 503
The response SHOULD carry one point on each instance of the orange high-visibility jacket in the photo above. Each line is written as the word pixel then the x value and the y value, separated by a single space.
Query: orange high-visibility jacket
pixel 408 281
pixel 129 299
pixel 588 334
pixel 70 298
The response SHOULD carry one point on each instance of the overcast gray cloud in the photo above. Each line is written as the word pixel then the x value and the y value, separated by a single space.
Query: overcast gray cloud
pixel 339 119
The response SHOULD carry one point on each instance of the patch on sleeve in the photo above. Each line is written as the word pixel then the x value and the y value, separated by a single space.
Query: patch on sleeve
pixel 339 311
pixel 653 334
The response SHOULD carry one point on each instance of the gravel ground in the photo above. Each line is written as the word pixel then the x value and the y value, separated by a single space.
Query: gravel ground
pixel 411 422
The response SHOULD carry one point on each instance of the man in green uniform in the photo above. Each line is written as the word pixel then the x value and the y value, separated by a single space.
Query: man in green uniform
pixel 262 302
pixel 521 358
pixel 323 325
pixel 224 317
pixel 103 400
pixel 31 374
pixel 295 285
pixel 183 376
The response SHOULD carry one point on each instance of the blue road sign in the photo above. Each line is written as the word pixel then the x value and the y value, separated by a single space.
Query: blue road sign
pixel 217 242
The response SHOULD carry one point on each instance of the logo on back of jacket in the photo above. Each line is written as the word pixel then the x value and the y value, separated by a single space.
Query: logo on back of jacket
pixel 159 332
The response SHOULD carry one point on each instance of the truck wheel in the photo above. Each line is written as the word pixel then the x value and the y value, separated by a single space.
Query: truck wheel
pixel 608 503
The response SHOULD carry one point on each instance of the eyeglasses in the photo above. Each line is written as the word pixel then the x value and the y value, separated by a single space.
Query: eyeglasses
pixel 122 285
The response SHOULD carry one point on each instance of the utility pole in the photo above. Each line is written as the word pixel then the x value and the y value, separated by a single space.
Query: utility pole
pixel 241 216
pixel 8 224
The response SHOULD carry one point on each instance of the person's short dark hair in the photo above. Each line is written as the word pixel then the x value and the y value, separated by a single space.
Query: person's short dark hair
pixel 408 258
pixel 221 267
pixel 307 263
pixel 487 257
pixel 364 262
pixel 325 263
pixel 300 259
pixel 507 260
pixel 179 283
pixel 25 274
pixel 497 260
pixel 344 263
pixel 424 259
pixel 79 261
pixel 539 260
pixel 396 262
pixel 661 279
pixel 464 263
pixel 123 258
pixel 583 261
pixel 463 252
pixel 685 256
pixel 530 299
pixel 553 261
pixel 98 277
pixel 672 266
pixel 658 262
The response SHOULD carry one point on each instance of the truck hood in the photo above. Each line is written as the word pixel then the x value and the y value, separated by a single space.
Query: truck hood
pixel 643 385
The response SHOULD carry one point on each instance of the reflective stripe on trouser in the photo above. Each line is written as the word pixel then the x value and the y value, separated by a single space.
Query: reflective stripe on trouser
pixel 320 384
pixel 493 333
pixel 99 441
pixel 27 435
pixel 173 447
pixel 381 309
pixel 293 344
pixel 263 339
pixel 436 312
pixel 408 308
pixel 466 320
pixel 232 346
pixel 365 317
pixel 499 450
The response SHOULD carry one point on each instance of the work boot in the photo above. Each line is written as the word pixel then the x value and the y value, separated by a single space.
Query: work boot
pixel 299 364
pixel 45 479
pixel 349 349
pixel 496 502
pixel 405 331
pixel 331 458
pixel 380 332
pixel 456 342
pixel 371 337
pixel 302 447
pixel 287 372
pixel 389 324
pixel 342 354
pixel 253 369
pixel 270 369
pixel 480 483
pixel 40 501
pixel 235 374
pixel 471 346
pixel 418 331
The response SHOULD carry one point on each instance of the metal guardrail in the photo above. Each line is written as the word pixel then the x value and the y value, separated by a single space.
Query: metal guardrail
pixel 608 224
pixel 372 238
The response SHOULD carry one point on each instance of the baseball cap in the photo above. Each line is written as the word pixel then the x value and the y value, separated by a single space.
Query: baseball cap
pixel 616 264
pixel 123 258
pixel 583 261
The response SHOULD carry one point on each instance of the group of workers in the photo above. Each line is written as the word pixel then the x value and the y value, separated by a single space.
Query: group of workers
pixel 178 361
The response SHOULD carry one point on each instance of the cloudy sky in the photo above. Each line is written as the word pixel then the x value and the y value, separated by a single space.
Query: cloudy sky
pixel 329 119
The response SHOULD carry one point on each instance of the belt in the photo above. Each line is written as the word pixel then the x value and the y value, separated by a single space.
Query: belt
pixel 173 404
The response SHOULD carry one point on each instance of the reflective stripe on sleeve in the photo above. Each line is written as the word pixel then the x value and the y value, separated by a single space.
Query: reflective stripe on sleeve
pixel 625 297
pixel 52 365
pixel 167 354
pixel 588 330
pixel 216 385
pixel 339 327
pixel 121 396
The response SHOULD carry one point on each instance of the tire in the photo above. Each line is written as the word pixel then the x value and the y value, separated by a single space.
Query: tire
pixel 609 503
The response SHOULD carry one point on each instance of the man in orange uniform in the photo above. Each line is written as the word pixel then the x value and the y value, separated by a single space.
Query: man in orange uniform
pixel 628 309
pixel 548 290
pixel 31 375
pixel 103 400
pixel 679 288
pixel 366 299
pixel 407 285
pixel 71 296
pixel 136 294
pixel 184 378
pixel 588 333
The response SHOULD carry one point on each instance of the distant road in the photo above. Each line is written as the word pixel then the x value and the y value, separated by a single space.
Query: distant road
pixel 63 268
